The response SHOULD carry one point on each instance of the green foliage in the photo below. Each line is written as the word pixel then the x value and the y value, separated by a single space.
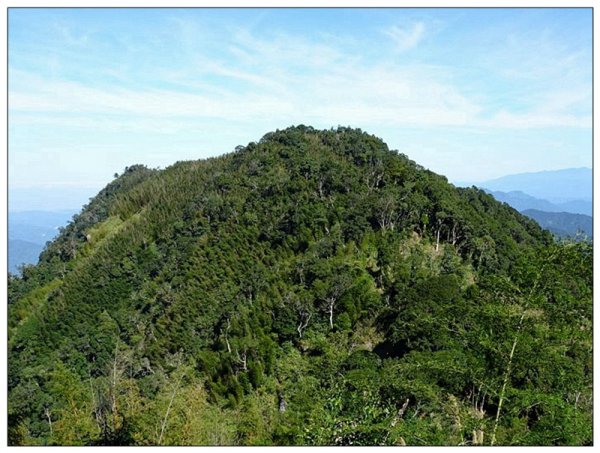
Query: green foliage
pixel 313 288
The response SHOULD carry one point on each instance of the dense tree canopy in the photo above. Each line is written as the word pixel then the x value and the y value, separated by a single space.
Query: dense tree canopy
pixel 312 288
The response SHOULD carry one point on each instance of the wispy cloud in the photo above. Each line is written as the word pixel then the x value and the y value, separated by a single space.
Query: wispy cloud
pixel 185 73
pixel 290 79
pixel 70 37
pixel 287 77
pixel 350 94
pixel 406 38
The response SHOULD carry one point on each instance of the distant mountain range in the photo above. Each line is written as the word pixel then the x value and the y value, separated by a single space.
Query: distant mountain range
pixel 563 224
pixel 556 186
pixel 35 214
pixel 22 252
pixel 560 201
pixel 522 201
pixel 28 232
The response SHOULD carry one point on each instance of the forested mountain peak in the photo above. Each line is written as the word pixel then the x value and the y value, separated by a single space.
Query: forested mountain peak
pixel 313 287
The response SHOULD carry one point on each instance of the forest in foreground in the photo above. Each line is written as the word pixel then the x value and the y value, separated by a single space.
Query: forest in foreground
pixel 312 288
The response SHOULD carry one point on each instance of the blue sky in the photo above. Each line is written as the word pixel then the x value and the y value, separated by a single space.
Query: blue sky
pixel 473 94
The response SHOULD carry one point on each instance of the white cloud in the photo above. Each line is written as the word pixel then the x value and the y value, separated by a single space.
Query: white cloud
pixel 345 95
pixel 283 79
pixel 70 37
pixel 406 38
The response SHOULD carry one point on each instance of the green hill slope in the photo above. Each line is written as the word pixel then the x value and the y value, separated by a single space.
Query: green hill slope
pixel 311 288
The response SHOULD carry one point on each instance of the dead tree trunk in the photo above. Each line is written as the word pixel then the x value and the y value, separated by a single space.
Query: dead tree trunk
pixel 331 304
pixel 49 417
pixel 304 319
